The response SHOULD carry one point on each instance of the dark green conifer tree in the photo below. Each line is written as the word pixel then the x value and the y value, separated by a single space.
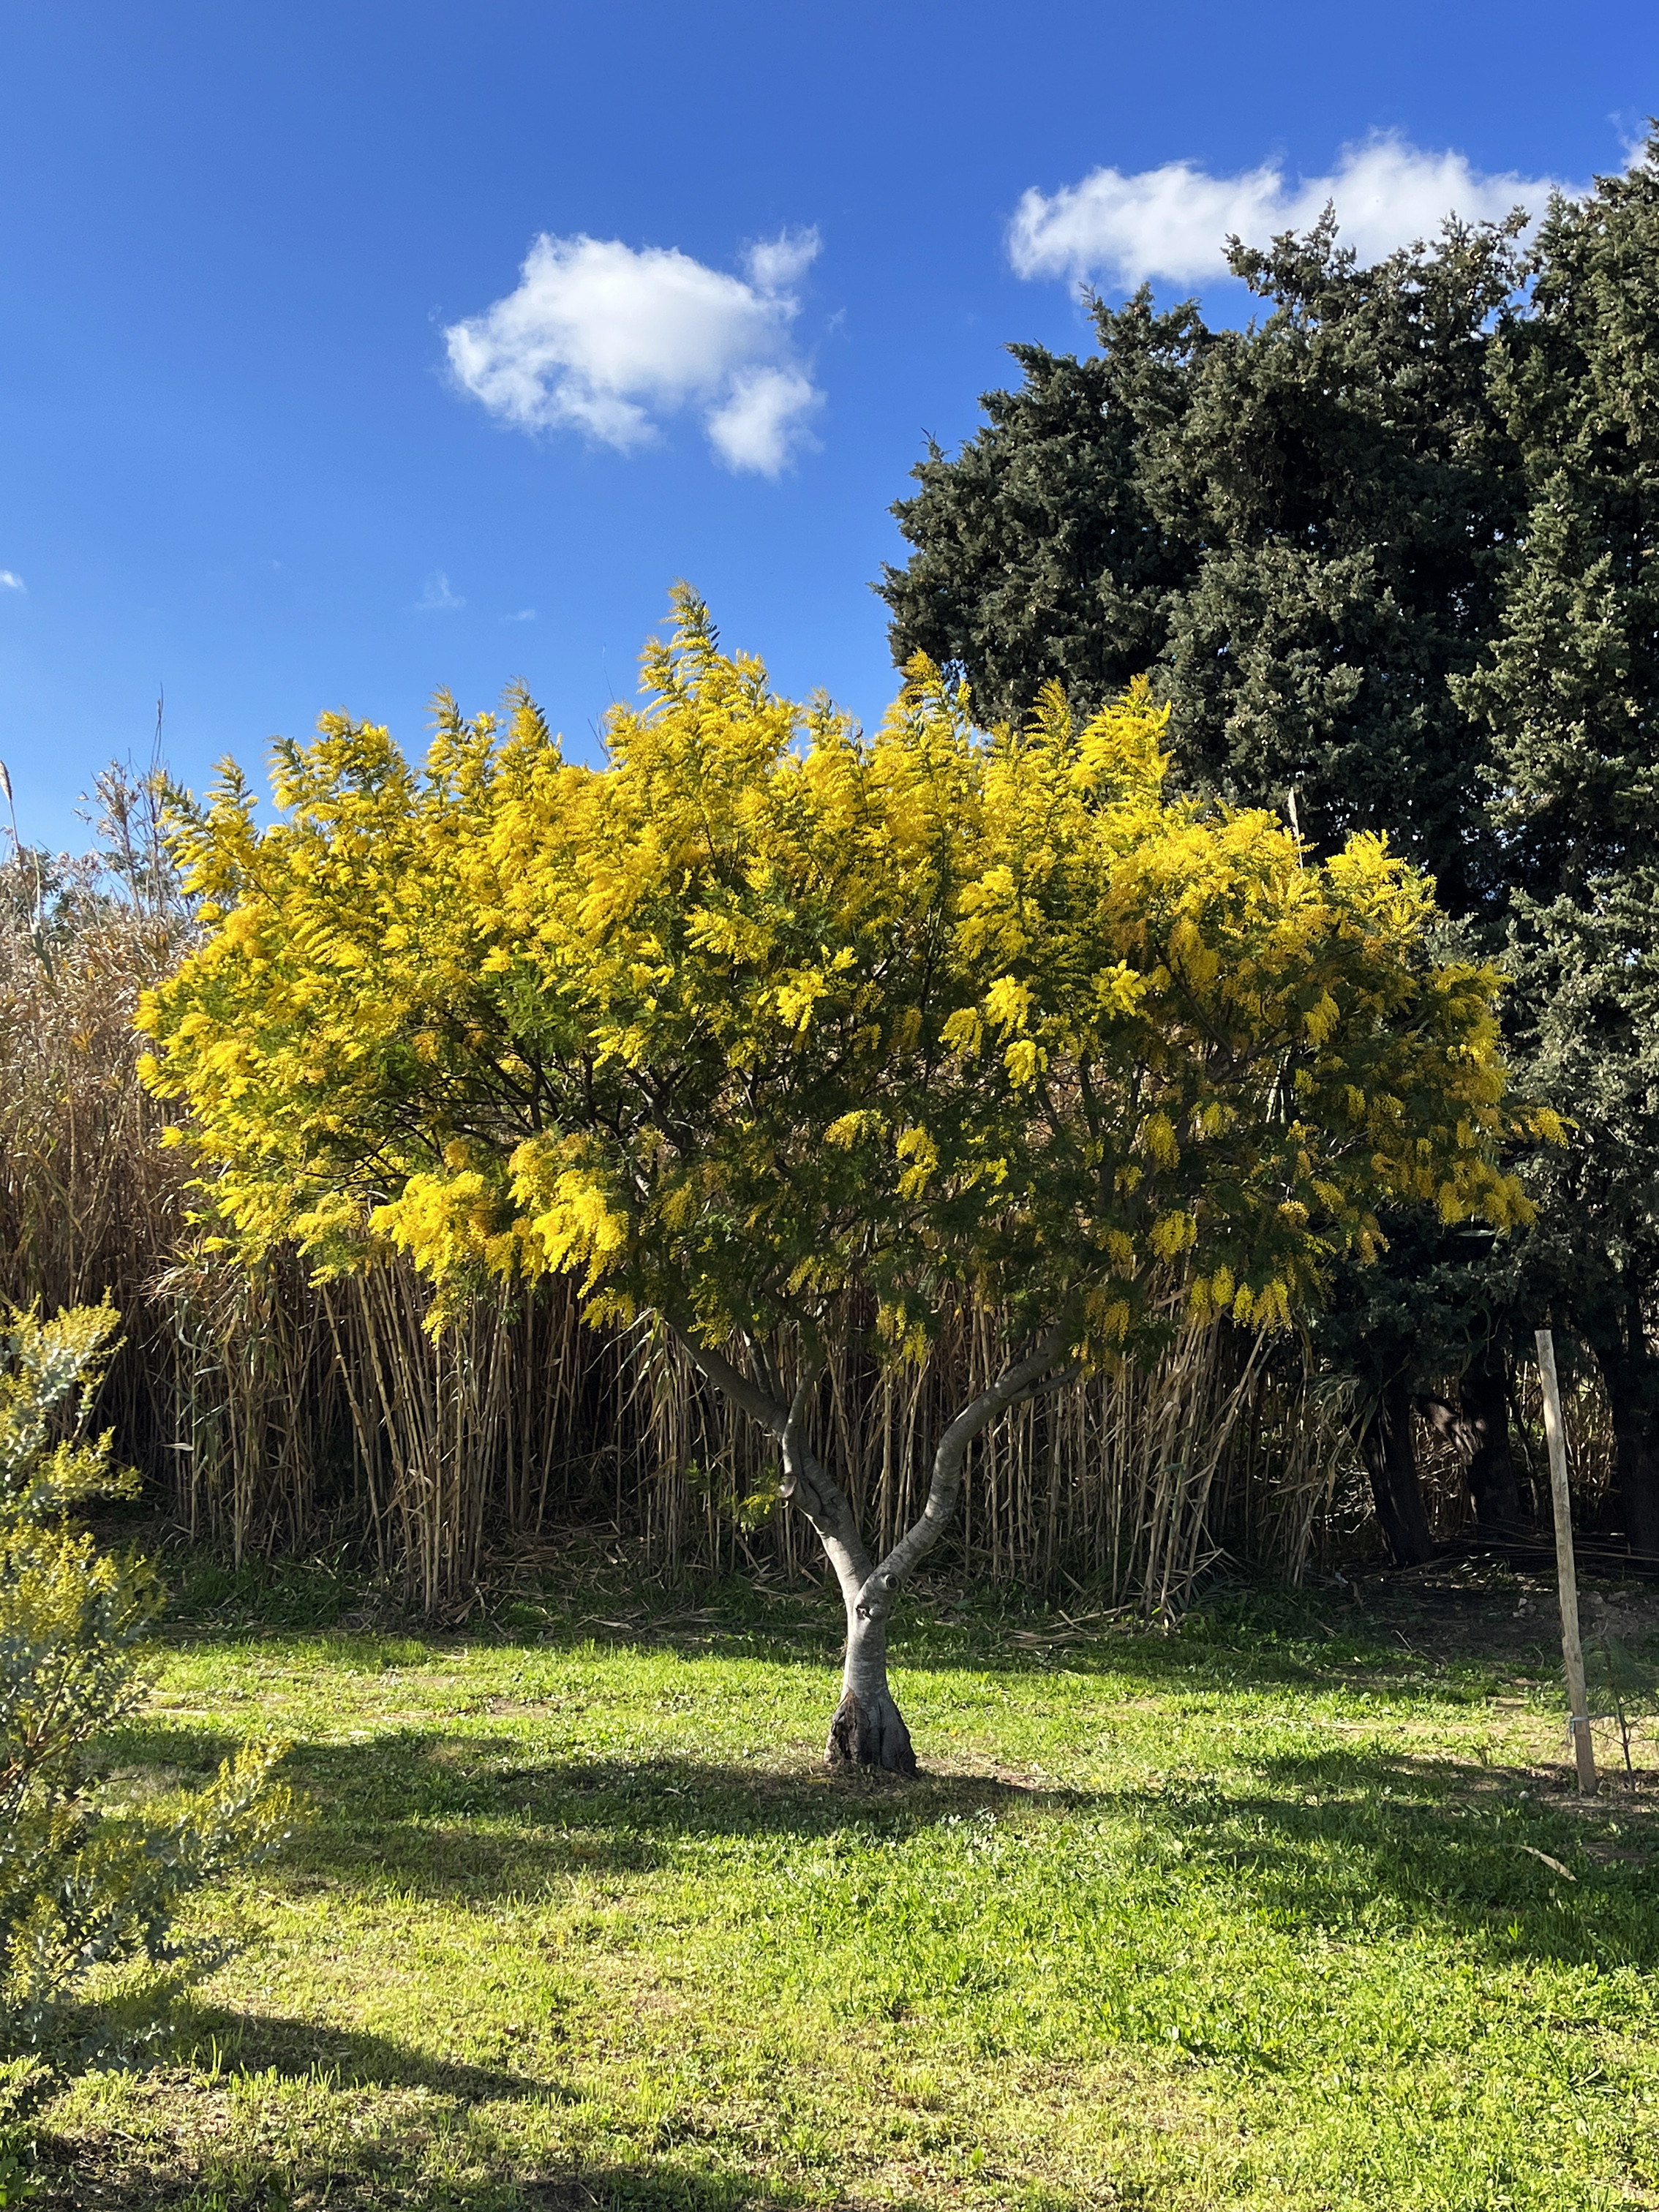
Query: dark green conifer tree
pixel 1053 545
pixel 1568 700
pixel 1296 527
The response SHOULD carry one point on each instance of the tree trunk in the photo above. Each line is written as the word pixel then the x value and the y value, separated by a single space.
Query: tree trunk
pixel 868 1728
pixel 1631 1377
pixel 1493 1483
pixel 1635 1450
pixel 1391 1462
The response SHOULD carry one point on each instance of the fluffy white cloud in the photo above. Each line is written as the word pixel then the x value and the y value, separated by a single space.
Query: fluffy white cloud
pixel 1172 221
pixel 756 428
pixel 11 581
pixel 773 264
pixel 604 339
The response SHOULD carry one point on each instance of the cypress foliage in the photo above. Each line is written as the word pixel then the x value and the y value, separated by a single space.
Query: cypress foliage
pixel 1050 549
pixel 1568 700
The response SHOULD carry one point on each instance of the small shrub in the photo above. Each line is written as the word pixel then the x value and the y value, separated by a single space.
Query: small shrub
pixel 81 1885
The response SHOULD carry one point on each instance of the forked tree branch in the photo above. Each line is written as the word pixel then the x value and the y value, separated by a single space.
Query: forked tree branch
pixel 758 1402
pixel 810 1485
pixel 806 1481
pixel 1015 1382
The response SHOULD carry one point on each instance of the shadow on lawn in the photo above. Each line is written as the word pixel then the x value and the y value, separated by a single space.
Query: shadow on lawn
pixel 607 1813
pixel 1349 1842
pixel 395 1797
pixel 77 2175
pixel 196 2163
pixel 1330 1837
pixel 1246 1637
pixel 308 2050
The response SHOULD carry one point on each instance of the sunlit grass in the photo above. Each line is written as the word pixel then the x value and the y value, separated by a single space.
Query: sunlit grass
pixel 1250 1915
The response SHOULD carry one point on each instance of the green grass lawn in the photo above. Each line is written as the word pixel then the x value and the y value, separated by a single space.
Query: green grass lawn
pixel 1260 1914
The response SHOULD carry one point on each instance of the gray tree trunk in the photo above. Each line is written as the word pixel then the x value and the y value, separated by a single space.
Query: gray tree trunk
pixel 868 1728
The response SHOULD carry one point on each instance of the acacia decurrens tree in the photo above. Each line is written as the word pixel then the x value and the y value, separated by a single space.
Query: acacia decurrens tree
pixel 764 1024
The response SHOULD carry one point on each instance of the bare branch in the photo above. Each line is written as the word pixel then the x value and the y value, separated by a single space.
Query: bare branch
pixel 714 1367
pixel 810 1486
pixel 806 1481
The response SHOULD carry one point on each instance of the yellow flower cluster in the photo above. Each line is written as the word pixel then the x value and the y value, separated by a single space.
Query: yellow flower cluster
pixel 765 1008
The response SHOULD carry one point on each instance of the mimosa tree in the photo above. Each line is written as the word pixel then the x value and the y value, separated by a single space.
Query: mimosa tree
pixel 764 1013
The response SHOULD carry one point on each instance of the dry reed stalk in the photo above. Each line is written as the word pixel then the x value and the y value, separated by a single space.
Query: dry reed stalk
pixel 1291 1457
pixel 1595 1451
pixel 251 1407
pixel 89 1202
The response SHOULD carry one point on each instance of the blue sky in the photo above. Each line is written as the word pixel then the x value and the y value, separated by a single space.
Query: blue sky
pixel 297 414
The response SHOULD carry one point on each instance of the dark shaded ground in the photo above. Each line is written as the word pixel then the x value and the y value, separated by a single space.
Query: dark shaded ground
pixel 110 2172
pixel 1469 1603
pixel 1489 1608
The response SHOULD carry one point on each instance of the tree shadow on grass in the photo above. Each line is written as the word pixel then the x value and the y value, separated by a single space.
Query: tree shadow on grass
pixel 104 2171
pixel 228 2042
pixel 196 2148
pixel 469 1818
pixel 1246 1637
pixel 1343 1841
pixel 1327 1837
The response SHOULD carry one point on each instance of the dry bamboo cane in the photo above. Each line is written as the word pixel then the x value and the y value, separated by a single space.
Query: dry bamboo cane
pixel 1573 1651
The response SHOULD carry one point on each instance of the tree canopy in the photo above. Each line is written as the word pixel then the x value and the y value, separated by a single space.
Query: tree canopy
pixel 1566 699
pixel 1009 1018
pixel 764 1013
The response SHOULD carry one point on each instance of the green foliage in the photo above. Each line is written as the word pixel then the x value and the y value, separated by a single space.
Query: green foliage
pixel 1420 1315
pixel 1568 695
pixel 22 2083
pixel 81 1886
pixel 43 1471
pixel 1623 1685
pixel 1297 528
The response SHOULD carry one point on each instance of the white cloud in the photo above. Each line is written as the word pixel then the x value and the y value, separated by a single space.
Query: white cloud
pixel 524 614
pixel 757 427
pixel 1172 221
pixel 605 340
pixel 11 581
pixel 436 598
pixel 774 263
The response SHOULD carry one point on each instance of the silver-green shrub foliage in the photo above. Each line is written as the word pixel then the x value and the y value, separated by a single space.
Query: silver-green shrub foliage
pixel 83 1884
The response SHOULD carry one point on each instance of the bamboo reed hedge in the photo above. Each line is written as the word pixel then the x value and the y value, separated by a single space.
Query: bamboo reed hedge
pixel 271 1415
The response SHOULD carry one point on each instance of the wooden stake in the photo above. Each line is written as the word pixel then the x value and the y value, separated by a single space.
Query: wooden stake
pixel 1573 1651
